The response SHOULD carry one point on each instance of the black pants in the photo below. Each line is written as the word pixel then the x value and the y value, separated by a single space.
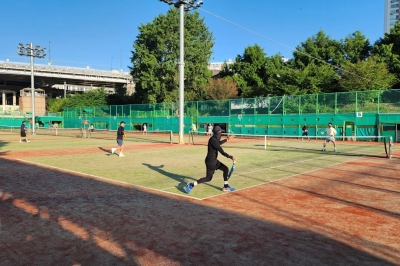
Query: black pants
pixel 210 172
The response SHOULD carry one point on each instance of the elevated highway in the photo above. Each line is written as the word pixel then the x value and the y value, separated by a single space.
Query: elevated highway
pixel 15 76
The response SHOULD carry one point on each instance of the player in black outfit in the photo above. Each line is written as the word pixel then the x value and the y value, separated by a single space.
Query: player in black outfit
pixel 120 139
pixel 212 163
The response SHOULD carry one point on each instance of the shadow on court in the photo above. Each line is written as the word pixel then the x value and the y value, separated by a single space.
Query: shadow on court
pixel 49 217
pixel 179 178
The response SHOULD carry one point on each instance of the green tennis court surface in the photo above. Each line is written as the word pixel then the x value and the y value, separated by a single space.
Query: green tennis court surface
pixel 168 167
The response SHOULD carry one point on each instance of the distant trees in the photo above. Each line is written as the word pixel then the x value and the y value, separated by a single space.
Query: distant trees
pixel 155 58
pixel 91 98
pixel 319 65
pixel 220 89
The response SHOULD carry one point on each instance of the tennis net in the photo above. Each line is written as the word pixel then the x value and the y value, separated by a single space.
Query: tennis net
pixel 9 128
pixel 374 146
pixel 138 136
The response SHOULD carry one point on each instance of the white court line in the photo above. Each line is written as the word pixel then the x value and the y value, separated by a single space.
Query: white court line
pixel 280 179
pixel 107 179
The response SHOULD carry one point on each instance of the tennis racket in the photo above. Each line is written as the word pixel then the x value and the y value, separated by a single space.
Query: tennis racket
pixel 232 169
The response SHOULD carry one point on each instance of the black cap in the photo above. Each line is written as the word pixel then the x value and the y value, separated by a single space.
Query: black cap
pixel 218 128
pixel 122 122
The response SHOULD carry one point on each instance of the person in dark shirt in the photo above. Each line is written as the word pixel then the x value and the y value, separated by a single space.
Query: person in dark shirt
pixel 212 163
pixel 120 139
pixel 23 130
pixel 305 132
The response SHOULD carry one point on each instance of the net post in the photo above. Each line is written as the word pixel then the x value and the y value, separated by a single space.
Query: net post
pixel 56 132
pixel 385 146
pixel 170 137
pixel 265 142
pixel 390 146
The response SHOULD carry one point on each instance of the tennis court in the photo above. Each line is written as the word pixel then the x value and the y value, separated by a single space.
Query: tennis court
pixel 293 204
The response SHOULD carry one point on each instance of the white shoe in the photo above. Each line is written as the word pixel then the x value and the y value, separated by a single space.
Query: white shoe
pixel 27 141
pixel 20 141
pixel 121 155
pixel 113 150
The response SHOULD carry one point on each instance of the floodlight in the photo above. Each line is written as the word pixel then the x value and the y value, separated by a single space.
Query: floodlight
pixel 28 50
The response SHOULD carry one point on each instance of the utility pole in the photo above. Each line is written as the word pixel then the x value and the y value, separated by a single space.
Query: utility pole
pixel 183 5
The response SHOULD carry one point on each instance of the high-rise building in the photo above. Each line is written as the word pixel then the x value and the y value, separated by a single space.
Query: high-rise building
pixel 392 14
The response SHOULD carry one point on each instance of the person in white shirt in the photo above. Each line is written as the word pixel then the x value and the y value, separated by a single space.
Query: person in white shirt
pixel 144 129
pixel 330 136
pixel 209 130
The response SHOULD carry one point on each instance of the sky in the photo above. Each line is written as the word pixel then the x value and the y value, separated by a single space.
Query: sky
pixel 100 34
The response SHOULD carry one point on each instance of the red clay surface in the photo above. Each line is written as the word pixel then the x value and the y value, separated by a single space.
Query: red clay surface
pixel 348 214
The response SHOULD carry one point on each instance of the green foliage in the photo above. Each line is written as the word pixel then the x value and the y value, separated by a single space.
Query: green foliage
pixel 91 98
pixel 249 72
pixel 120 97
pixel 155 58
pixel 355 47
pixel 387 50
pixel 221 88
pixel 55 105
pixel 364 75
pixel 319 49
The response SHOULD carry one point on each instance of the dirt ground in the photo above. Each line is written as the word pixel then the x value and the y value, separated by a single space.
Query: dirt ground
pixel 347 214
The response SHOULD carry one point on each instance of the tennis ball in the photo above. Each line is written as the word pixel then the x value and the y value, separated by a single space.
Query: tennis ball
pixel 268 144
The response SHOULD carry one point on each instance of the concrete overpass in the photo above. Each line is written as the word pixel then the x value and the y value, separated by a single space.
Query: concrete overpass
pixel 16 76
pixel 55 81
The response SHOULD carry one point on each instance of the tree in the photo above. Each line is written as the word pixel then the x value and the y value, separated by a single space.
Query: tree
pixel 55 105
pixel 388 51
pixel 155 58
pixel 366 75
pixel 91 98
pixel 119 97
pixel 355 47
pixel 319 49
pixel 221 89
pixel 248 71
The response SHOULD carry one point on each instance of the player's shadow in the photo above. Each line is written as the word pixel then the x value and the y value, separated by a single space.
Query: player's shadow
pixel 180 178
pixel 108 151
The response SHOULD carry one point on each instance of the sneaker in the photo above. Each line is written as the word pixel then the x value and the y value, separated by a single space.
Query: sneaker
pixel 113 150
pixel 228 189
pixel 121 155
pixel 323 149
pixel 20 141
pixel 334 150
pixel 27 141
pixel 188 187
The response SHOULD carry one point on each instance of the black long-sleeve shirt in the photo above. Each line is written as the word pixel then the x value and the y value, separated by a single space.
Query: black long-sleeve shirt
pixel 214 146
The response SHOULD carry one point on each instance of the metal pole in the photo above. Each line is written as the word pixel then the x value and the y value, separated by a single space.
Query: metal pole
pixel 49 54
pixel 33 93
pixel 65 89
pixel 181 76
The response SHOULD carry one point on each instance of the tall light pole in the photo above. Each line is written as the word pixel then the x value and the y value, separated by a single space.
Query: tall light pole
pixel 183 5
pixel 29 50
